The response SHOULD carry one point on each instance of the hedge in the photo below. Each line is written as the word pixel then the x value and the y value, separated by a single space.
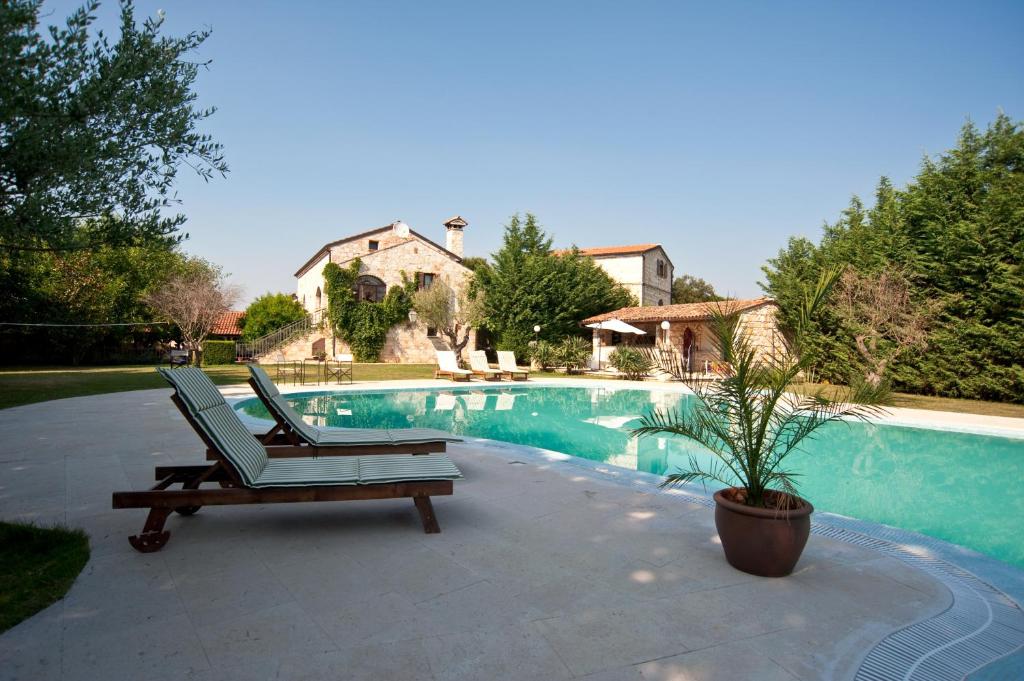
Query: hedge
pixel 218 352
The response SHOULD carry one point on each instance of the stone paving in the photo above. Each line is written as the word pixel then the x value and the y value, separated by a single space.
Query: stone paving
pixel 540 573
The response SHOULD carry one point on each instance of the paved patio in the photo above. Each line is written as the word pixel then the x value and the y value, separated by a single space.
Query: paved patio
pixel 541 572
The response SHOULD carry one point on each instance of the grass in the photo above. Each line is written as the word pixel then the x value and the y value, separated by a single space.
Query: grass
pixel 26 385
pixel 37 567
pixel 930 403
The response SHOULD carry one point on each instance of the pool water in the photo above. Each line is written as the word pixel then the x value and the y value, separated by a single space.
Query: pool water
pixel 959 487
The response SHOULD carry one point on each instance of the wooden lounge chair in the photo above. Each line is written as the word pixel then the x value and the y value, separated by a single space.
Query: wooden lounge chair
pixel 508 366
pixel 293 436
pixel 478 363
pixel 448 366
pixel 245 474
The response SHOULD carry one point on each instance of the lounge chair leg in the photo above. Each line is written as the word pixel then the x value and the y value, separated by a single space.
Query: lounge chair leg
pixel 426 510
pixel 191 484
pixel 153 535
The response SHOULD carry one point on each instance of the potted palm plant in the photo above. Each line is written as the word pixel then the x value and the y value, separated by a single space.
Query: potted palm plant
pixel 751 421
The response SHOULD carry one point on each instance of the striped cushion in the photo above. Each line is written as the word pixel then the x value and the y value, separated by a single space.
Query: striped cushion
pixel 234 441
pixel 352 436
pixel 306 472
pixel 194 387
pixel 405 468
pixel 381 436
pixel 416 435
pixel 266 385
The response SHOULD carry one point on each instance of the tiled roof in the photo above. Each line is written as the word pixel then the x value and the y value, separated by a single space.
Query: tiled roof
pixel 613 250
pixel 228 324
pixel 687 312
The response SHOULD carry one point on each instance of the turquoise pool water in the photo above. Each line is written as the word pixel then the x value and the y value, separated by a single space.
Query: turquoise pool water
pixel 959 487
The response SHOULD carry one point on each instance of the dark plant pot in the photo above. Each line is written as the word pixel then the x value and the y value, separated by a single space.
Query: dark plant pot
pixel 762 541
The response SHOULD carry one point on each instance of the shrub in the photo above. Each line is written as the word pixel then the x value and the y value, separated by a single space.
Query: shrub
pixel 544 354
pixel 218 352
pixel 270 312
pixel 632 363
pixel 574 353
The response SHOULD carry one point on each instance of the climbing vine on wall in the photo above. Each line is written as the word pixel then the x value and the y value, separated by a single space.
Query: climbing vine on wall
pixel 364 325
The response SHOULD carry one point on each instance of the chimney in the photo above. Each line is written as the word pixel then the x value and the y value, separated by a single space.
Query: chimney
pixel 454 237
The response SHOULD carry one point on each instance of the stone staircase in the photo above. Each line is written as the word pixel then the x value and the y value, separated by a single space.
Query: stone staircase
pixel 292 341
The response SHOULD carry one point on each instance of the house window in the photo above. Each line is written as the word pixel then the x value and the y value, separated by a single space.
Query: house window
pixel 424 280
pixel 431 332
pixel 662 270
pixel 370 289
pixel 661 301
pixel 374 245
pixel 616 338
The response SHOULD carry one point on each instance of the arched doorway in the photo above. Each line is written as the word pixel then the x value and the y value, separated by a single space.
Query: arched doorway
pixel 369 289
pixel 319 299
pixel 689 346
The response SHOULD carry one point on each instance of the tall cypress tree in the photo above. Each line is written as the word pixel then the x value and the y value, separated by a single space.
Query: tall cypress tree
pixel 957 232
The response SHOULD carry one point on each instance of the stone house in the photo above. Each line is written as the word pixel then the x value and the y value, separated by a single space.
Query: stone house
pixel 644 270
pixel 385 252
pixel 689 332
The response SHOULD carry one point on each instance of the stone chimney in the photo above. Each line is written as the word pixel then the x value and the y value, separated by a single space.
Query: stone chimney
pixel 454 238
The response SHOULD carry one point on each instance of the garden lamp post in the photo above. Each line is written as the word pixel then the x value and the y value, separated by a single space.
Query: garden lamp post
pixel 665 327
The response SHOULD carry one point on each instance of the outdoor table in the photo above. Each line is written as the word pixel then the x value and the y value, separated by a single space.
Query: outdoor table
pixel 319 369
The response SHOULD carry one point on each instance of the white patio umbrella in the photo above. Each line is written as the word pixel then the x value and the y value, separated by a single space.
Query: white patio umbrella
pixel 612 325
pixel 616 325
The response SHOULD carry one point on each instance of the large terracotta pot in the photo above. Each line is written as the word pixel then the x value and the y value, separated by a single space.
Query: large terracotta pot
pixel 762 541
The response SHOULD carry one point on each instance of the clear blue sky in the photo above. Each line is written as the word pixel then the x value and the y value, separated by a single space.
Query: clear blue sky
pixel 717 129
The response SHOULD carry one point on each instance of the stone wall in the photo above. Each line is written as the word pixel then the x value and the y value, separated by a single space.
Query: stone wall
pixel 406 343
pixel 360 248
pixel 761 324
pixel 656 290
pixel 309 283
pixel 628 270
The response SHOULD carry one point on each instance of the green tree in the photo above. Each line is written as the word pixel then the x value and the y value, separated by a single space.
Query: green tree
pixel 956 232
pixel 690 289
pixel 529 285
pixel 93 132
pixel 475 263
pixel 104 287
pixel 269 312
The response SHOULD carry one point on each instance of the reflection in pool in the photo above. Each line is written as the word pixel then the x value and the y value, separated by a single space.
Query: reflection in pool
pixel 955 486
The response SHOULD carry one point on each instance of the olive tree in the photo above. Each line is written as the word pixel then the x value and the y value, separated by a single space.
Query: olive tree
pixel 452 314
pixel 93 130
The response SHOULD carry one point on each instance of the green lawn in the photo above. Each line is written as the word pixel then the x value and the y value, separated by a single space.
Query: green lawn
pixel 37 567
pixel 932 403
pixel 26 385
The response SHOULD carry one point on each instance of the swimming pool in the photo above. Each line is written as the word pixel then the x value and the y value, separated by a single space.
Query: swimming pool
pixel 960 487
